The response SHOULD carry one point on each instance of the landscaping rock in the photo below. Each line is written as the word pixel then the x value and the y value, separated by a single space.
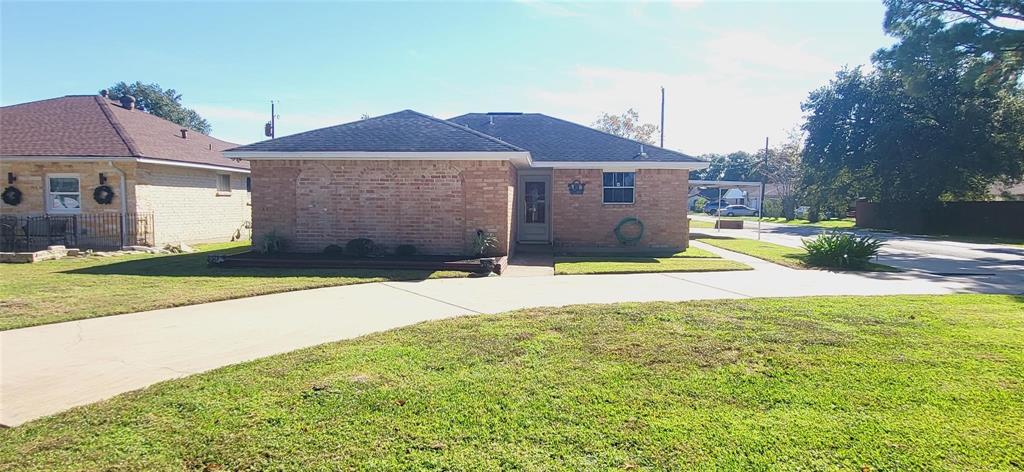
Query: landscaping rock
pixel 179 248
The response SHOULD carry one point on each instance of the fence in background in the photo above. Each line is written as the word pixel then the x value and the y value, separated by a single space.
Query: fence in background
pixel 102 231
pixel 1002 218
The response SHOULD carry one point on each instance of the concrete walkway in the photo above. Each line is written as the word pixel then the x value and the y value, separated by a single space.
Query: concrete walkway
pixel 48 369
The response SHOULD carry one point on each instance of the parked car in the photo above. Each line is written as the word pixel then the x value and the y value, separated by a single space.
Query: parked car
pixel 711 207
pixel 802 212
pixel 737 210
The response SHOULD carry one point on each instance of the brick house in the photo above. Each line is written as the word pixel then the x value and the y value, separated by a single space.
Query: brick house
pixel 408 178
pixel 163 184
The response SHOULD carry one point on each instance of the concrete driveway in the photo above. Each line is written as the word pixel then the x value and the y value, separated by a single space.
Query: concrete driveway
pixel 48 369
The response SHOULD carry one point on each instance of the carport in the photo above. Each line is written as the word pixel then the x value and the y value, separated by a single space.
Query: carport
pixel 723 186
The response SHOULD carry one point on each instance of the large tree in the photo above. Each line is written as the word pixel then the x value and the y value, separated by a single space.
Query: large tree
pixel 981 40
pixel 868 135
pixel 782 169
pixel 627 125
pixel 737 165
pixel 166 104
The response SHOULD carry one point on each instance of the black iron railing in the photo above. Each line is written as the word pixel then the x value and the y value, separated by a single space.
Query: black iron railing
pixel 85 231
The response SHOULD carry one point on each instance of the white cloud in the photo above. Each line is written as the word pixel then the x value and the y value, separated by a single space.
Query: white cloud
pixel 746 86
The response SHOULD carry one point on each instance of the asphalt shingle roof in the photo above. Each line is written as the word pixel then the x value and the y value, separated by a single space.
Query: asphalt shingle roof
pixel 552 139
pixel 404 131
pixel 94 126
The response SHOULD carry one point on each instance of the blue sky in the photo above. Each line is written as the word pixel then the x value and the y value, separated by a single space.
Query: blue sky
pixel 734 72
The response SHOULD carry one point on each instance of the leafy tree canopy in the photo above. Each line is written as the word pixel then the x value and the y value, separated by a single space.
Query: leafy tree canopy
pixel 868 135
pixel 628 126
pixel 166 104
pixel 738 165
pixel 980 40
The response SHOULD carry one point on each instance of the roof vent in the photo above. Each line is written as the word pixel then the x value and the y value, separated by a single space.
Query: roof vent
pixel 128 102
pixel 491 120
pixel 184 133
pixel 642 155
pixel 104 93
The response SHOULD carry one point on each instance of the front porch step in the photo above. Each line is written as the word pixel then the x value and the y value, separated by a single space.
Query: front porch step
pixel 534 249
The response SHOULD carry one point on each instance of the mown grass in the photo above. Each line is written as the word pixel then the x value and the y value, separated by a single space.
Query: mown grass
pixel 843 223
pixel 690 260
pixel 776 253
pixel 87 287
pixel 823 383
pixel 701 224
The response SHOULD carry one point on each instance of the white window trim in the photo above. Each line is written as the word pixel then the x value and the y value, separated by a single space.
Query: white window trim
pixel 223 192
pixel 48 204
pixel 618 171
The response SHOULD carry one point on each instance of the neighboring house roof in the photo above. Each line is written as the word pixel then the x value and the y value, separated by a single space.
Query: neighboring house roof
pixel 404 131
pixel 94 126
pixel 555 140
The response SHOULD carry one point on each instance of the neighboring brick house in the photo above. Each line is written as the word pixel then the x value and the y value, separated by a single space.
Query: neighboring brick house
pixel 169 184
pixel 408 178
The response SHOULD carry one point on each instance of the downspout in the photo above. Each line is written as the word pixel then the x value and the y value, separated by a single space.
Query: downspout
pixel 124 198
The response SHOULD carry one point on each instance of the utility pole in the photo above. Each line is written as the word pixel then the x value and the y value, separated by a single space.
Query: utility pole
pixel 663 117
pixel 760 202
pixel 270 129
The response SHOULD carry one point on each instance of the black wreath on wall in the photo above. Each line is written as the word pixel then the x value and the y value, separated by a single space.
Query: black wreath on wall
pixel 103 194
pixel 12 196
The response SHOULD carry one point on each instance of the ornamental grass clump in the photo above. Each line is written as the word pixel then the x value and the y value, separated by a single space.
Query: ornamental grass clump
pixel 841 250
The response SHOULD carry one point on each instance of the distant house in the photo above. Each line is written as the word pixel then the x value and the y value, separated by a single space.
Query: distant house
pixel 85 171
pixel 526 178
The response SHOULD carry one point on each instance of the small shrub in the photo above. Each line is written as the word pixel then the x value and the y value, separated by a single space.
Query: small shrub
pixel 378 250
pixel 360 247
pixel 272 243
pixel 334 250
pixel 841 250
pixel 483 243
pixel 405 250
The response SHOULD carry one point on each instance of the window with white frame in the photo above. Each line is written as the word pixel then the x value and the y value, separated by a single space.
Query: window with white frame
pixel 223 183
pixel 619 187
pixel 63 193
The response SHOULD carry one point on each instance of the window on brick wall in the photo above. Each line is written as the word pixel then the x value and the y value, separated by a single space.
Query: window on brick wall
pixel 248 184
pixel 619 187
pixel 63 193
pixel 223 183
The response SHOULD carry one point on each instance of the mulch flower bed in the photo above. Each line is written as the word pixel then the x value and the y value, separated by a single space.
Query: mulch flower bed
pixel 482 265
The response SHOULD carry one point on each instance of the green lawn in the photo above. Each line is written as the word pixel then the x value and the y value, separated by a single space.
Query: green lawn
pixel 76 288
pixel 822 383
pixel 1007 241
pixel 701 224
pixel 691 260
pixel 844 223
pixel 776 253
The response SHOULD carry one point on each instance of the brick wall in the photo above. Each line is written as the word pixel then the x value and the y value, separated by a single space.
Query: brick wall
pixel 31 181
pixel 187 207
pixel 584 221
pixel 435 205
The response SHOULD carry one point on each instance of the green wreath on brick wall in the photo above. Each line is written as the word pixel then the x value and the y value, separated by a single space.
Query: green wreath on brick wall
pixel 12 196
pixel 103 194
pixel 629 222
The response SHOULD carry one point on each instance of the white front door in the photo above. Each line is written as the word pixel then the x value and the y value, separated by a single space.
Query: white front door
pixel 534 208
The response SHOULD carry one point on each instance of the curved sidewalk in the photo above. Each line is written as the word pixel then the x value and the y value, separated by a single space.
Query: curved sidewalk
pixel 47 369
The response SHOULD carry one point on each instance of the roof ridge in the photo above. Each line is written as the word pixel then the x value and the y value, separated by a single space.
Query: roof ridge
pixel 118 128
pixel 466 128
pixel 616 136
